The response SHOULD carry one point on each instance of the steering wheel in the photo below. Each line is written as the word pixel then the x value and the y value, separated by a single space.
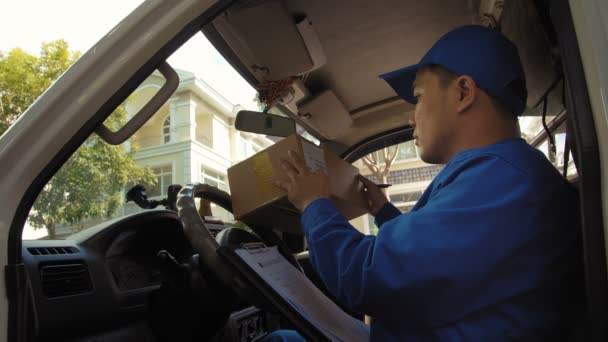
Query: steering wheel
pixel 206 245
pixel 203 242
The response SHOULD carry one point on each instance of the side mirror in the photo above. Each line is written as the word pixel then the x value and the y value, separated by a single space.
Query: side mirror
pixel 262 123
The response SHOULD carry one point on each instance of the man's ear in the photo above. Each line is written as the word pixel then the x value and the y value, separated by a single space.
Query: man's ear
pixel 467 93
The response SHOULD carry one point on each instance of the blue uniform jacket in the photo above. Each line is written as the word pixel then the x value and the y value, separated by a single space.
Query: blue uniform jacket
pixel 485 255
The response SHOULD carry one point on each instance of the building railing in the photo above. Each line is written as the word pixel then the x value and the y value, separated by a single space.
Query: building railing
pixel 148 141
pixel 204 140
pixel 157 140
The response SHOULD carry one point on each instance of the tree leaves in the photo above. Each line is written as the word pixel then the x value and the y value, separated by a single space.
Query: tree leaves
pixel 90 183
pixel 23 77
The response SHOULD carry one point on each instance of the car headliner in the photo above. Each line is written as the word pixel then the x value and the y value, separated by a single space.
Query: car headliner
pixel 362 39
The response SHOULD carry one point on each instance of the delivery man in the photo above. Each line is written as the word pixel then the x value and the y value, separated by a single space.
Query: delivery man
pixel 487 251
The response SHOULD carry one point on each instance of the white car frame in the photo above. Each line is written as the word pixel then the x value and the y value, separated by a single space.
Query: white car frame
pixel 44 137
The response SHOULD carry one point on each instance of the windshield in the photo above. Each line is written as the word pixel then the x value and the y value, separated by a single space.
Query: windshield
pixel 190 139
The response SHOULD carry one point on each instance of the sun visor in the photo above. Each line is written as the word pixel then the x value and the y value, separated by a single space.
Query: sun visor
pixel 267 39
pixel 326 114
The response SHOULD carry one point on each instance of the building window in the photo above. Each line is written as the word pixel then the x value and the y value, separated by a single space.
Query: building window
pixel 167 130
pixel 164 178
pixel 214 178
pixel 242 146
pixel 247 148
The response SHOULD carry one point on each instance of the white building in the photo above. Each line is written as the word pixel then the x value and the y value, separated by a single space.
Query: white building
pixel 192 137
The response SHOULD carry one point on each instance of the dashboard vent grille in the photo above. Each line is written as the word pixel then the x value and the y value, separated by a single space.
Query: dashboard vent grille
pixel 60 280
pixel 52 250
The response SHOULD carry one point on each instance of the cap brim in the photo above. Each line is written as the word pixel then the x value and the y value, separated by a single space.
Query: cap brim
pixel 402 82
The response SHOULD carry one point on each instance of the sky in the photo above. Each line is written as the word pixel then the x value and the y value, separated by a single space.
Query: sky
pixel 28 23
pixel 83 22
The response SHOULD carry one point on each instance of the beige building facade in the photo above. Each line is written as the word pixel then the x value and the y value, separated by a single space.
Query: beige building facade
pixel 191 138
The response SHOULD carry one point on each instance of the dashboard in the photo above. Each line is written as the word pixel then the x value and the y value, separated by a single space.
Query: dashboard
pixel 102 276
pixel 133 260
pixel 104 284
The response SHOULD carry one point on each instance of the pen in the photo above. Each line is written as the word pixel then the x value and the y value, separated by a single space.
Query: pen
pixel 383 186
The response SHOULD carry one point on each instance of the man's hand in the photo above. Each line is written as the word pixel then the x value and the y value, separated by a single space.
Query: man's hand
pixel 375 197
pixel 303 186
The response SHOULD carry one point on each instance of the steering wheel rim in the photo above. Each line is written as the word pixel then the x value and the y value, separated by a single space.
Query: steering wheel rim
pixel 196 231
pixel 201 238
pixel 203 242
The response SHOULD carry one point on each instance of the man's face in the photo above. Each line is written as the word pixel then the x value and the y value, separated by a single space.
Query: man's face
pixel 432 118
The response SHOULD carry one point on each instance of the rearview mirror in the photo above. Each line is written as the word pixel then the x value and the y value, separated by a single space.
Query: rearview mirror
pixel 262 123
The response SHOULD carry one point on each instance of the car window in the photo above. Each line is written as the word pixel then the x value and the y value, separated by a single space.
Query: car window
pixel 536 130
pixel 399 165
pixel 557 154
pixel 190 139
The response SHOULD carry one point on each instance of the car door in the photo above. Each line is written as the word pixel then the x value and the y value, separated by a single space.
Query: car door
pixel 34 148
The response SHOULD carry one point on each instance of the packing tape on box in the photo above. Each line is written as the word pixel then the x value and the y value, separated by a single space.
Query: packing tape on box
pixel 262 168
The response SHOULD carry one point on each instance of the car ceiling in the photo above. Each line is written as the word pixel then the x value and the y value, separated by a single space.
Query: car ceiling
pixel 362 39
pixel 369 39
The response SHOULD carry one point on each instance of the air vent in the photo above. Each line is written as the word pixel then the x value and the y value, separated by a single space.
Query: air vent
pixel 60 280
pixel 52 250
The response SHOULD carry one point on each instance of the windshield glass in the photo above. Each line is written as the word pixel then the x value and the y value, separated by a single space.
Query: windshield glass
pixel 405 174
pixel 190 139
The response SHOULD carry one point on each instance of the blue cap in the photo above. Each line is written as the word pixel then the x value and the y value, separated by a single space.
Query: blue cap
pixel 476 51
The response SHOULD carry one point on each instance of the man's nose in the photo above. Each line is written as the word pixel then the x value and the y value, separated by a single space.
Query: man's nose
pixel 412 121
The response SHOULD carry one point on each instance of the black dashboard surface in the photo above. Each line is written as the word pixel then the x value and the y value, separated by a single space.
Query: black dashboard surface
pixel 102 276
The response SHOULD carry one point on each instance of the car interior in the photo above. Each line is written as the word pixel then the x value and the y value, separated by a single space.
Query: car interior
pixel 166 274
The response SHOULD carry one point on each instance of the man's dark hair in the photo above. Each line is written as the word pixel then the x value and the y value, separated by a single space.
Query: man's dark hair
pixel 446 77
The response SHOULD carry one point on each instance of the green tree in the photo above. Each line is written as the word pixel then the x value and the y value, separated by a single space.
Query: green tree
pixel 90 183
pixel 23 77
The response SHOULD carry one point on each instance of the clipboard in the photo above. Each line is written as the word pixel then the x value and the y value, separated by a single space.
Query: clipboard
pixel 307 329
pixel 293 295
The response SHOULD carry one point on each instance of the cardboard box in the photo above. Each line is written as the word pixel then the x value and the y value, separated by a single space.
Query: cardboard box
pixel 256 200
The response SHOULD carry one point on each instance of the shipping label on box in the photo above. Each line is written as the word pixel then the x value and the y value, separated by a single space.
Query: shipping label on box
pixel 314 157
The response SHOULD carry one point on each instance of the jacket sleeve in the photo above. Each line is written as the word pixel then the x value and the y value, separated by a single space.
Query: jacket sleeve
pixel 430 262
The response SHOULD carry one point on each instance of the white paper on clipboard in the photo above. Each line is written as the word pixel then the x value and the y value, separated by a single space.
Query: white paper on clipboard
pixel 303 295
